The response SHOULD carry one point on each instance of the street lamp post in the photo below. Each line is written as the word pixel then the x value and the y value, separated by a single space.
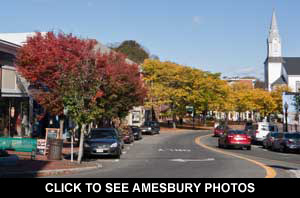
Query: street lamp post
pixel 286 106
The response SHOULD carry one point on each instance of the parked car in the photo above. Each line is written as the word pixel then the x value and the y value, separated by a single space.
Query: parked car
pixel 103 142
pixel 121 136
pixel 128 136
pixel 150 127
pixel 270 139
pixel 289 142
pixel 220 130
pixel 260 130
pixel 236 139
pixel 137 133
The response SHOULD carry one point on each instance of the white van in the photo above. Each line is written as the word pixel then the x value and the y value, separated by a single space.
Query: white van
pixel 260 130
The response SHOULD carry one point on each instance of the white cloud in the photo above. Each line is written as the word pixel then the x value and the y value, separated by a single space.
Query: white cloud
pixel 247 71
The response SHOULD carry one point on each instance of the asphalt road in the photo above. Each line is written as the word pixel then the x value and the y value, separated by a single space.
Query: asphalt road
pixel 285 164
pixel 176 155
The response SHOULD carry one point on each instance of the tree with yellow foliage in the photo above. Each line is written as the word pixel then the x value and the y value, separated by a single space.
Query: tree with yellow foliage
pixel 277 96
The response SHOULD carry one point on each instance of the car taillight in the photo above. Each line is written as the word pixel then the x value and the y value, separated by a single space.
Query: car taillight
pixel 230 136
pixel 248 136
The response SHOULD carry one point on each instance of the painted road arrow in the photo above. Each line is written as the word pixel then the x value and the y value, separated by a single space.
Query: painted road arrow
pixel 192 160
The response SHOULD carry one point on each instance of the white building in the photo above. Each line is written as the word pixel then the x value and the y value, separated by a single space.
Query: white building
pixel 280 70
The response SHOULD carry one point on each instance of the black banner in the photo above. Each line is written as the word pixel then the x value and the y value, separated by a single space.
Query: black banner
pixel 230 187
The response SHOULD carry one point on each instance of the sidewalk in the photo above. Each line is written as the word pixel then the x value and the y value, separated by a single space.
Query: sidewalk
pixel 41 166
pixel 183 128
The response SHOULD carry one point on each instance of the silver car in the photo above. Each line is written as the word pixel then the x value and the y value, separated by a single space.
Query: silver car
pixel 270 139
pixel 289 142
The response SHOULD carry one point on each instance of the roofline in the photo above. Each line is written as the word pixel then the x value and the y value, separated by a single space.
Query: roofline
pixel 10 43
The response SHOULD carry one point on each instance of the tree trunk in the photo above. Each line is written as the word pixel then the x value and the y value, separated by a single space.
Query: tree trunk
pixel 226 118
pixel 174 121
pixel 80 154
pixel 61 127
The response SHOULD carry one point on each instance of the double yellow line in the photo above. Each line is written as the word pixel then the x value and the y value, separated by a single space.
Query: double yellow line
pixel 270 172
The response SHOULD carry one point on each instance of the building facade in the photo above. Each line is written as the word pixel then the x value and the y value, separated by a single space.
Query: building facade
pixel 280 70
pixel 15 103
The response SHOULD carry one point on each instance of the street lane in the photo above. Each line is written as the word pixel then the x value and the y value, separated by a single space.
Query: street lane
pixel 173 155
pixel 284 163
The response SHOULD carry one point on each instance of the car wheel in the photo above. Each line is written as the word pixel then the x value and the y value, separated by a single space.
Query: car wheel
pixel 282 149
pixel 249 148
pixel 118 156
pixel 219 145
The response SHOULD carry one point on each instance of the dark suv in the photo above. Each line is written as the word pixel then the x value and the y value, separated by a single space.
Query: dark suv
pixel 150 127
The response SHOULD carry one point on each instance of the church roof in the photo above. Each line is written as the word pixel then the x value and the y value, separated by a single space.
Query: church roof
pixel 279 81
pixel 292 65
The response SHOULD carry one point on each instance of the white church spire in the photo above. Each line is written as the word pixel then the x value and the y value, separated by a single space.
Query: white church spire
pixel 274 32
pixel 274 43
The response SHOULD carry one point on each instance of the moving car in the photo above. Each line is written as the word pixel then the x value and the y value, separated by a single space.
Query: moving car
pixel 137 133
pixel 220 130
pixel 103 142
pixel 289 142
pixel 236 139
pixel 150 127
pixel 270 139
pixel 260 130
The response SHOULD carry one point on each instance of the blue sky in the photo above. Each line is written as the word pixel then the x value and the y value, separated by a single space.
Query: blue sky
pixel 227 36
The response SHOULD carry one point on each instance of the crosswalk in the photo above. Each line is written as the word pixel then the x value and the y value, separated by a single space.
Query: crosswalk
pixel 296 173
pixel 174 150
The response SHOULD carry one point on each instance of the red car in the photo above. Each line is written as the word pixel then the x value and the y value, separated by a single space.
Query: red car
pixel 236 139
pixel 220 130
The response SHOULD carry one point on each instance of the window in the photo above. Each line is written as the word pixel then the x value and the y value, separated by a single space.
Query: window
pixel 297 86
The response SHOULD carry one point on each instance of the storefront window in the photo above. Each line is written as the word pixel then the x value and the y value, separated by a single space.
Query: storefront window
pixel 14 120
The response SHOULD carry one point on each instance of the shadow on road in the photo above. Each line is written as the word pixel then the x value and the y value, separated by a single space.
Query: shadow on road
pixel 282 167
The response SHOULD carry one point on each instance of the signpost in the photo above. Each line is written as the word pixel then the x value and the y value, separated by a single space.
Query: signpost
pixel 43 144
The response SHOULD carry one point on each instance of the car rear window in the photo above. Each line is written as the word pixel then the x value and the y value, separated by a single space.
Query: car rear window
pixel 292 136
pixel 269 128
pixel 236 132
pixel 103 134
pixel 150 124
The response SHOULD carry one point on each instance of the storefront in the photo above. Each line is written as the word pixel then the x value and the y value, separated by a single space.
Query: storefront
pixel 15 104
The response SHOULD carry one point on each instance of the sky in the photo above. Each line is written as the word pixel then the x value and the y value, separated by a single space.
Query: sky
pixel 227 36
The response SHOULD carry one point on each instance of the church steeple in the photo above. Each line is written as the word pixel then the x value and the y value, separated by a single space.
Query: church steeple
pixel 274 32
pixel 274 43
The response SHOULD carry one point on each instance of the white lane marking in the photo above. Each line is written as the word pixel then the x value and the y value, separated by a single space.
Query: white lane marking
pixel 296 173
pixel 174 150
pixel 192 160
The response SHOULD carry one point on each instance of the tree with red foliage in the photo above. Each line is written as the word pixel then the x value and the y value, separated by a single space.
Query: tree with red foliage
pixel 123 86
pixel 68 72
pixel 46 60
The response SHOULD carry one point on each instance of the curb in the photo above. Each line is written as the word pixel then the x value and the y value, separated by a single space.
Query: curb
pixel 51 172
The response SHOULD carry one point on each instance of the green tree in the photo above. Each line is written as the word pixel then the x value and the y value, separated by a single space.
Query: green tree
pixel 133 50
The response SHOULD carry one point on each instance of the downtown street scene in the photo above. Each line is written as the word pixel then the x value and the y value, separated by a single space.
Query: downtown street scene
pixel 138 89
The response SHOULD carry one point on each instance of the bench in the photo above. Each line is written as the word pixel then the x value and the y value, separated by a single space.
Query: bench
pixel 19 145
